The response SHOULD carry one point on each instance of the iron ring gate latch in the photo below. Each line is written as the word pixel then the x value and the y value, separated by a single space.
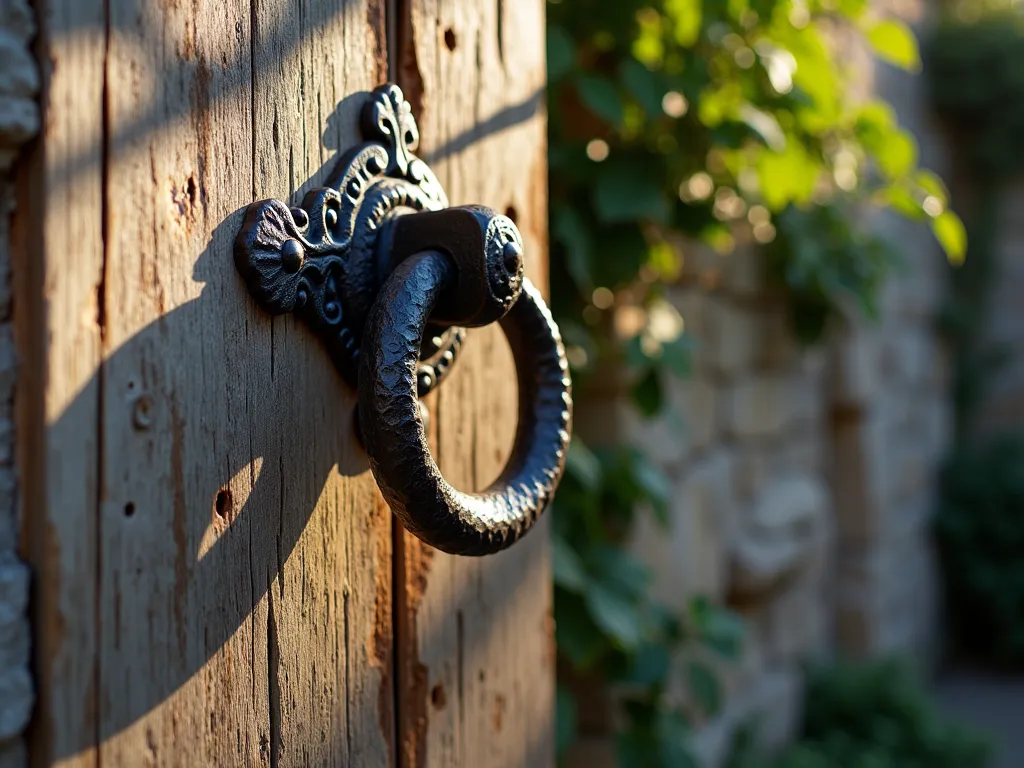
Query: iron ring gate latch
pixel 389 277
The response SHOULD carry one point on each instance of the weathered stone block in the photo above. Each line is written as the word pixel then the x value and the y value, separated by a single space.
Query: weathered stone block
pixel 777 347
pixel 16 692
pixel 6 436
pixel 743 272
pixel 16 698
pixel 731 338
pixel 754 465
pixel 774 705
pixel 936 434
pixel 909 355
pixel 690 302
pixel 756 407
pixel 780 537
pixel 807 451
pixel 798 619
pixel 806 400
pixel 689 425
pixel 691 557
pixel 856 367
pixel 8 362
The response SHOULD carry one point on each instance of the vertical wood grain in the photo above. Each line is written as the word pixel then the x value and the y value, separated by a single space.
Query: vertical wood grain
pixel 475 636
pixel 213 559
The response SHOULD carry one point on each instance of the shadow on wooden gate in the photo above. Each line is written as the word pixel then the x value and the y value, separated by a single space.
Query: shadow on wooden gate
pixel 225 444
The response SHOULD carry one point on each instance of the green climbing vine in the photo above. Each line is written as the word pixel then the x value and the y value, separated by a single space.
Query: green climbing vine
pixel 676 125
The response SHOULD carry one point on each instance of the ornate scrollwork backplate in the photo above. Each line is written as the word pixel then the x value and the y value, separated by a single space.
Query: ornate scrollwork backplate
pixel 323 260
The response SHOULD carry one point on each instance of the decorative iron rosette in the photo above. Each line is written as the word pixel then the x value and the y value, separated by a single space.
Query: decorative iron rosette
pixel 322 259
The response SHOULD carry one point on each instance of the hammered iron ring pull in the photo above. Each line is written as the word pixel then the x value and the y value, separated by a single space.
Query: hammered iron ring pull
pixel 390 277
pixel 474 276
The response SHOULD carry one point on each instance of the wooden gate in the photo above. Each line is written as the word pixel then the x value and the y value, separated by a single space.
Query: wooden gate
pixel 217 579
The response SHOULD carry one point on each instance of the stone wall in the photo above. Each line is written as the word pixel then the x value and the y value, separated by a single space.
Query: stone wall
pixel 892 420
pixel 18 123
pixel 751 522
pixel 803 480
pixel 891 427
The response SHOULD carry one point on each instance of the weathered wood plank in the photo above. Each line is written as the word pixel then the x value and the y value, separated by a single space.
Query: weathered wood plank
pixel 475 637
pixel 213 557
pixel 179 622
pixel 332 603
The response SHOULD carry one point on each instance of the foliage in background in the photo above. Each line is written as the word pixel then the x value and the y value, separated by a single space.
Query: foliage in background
pixel 676 125
pixel 976 72
pixel 873 715
pixel 608 624
pixel 980 528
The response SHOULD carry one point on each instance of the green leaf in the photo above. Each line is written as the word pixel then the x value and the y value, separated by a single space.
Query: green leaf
pixel 875 122
pixel 621 253
pixel 950 232
pixel 645 86
pixel 897 155
pixel 687 16
pixel 601 97
pixel 578 638
pixel 723 632
pixel 930 182
pixel 665 260
pixel 636 357
pixel 902 201
pixel 636 748
pixel 649 44
pixel 565 719
pixel 567 566
pixel 561 52
pixel 583 465
pixel 677 355
pixel 704 686
pixel 649 666
pixel 654 483
pixel 788 176
pixel 673 735
pixel 647 394
pixel 895 43
pixel 618 570
pixel 616 614
pixel 852 9
pixel 720 103
pixel 630 190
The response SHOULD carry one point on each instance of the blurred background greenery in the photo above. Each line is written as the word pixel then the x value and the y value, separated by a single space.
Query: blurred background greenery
pixel 687 127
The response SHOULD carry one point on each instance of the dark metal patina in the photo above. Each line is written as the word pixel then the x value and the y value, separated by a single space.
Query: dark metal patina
pixel 389 277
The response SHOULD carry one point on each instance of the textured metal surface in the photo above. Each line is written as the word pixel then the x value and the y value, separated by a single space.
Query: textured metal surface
pixel 320 259
pixel 388 275
pixel 449 519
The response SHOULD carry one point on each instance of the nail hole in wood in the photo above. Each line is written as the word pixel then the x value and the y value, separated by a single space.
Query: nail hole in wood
pixel 222 505
pixel 437 696
pixel 129 509
pixel 449 38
